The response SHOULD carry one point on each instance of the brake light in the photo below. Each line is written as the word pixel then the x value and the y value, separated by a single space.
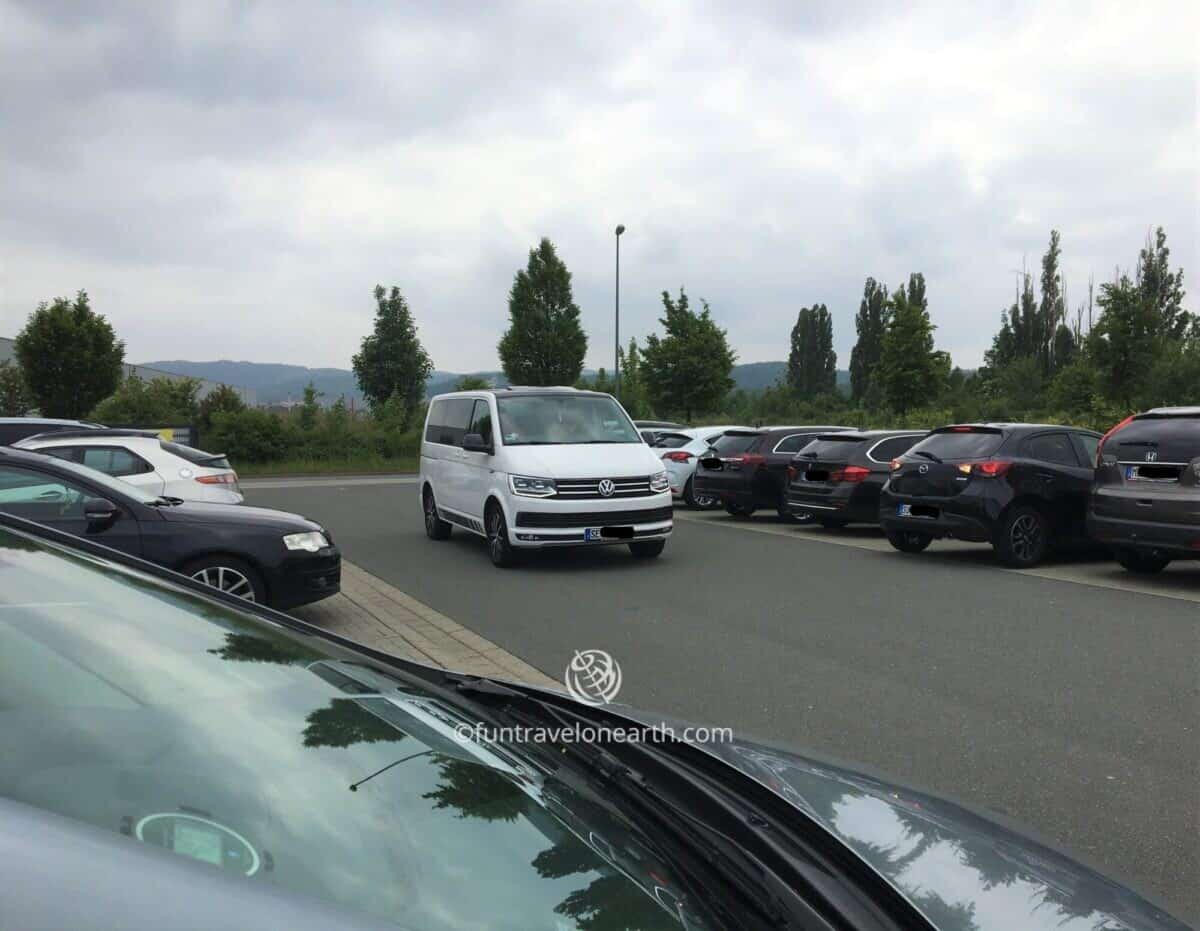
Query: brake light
pixel 224 478
pixel 852 474
pixel 752 459
pixel 961 429
pixel 677 455
pixel 1104 439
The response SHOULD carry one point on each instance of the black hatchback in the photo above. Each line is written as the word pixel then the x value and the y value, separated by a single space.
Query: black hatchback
pixel 748 469
pixel 837 477
pixel 1145 502
pixel 1021 487
pixel 278 558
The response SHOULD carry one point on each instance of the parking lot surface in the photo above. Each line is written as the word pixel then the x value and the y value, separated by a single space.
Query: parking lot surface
pixel 1065 697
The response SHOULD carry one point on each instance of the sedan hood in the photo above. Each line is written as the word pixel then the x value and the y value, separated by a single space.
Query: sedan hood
pixel 202 512
pixel 583 460
pixel 963 869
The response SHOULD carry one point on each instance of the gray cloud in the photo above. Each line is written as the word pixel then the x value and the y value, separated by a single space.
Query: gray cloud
pixel 233 179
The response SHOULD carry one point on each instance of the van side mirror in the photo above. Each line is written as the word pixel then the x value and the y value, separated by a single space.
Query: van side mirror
pixel 99 512
pixel 475 443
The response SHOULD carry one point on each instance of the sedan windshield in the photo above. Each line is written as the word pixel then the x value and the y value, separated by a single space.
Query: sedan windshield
pixel 560 419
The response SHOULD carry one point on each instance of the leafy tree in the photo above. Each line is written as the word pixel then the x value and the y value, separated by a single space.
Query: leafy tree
pixel 251 648
pixel 70 357
pixel 222 399
pixel 15 399
pixel 310 407
pixel 1126 342
pixel 687 370
pixel 1161 287
pixel 252 435
pixel 150 403
pixel 911 371
pixel 544 343
pixel 633 382
pixel 812 363
pixel 392 360
pixel 1051 312
pixel 476 791
pixel 472 383
pixel 345 723
pixel 864 357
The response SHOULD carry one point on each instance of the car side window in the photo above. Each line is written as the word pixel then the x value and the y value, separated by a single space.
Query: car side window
pixel 114 460
pixel 793 443
pixel 70 453
pixel 481 421
pixel 37 496
pixel 1090 446
pixel 891 448
pixel 1053 447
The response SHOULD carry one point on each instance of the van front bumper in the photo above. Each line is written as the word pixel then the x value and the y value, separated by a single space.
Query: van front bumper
pixel 535 524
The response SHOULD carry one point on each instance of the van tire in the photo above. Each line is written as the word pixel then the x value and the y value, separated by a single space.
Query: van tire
pixel 500 549
pixel 435 527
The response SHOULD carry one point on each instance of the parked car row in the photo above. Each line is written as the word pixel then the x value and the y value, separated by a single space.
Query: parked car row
pixel 1024 488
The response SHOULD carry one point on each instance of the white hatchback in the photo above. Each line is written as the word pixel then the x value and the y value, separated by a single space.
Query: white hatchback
pixel 536 467
pixel 681 450
pixel 142 458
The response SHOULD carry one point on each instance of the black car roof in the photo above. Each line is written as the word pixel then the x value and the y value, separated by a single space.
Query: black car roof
pixel 872 434
pixel 1012 428
pixel 1165 412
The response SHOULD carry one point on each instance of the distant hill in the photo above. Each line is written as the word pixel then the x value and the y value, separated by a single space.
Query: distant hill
pixel 275 382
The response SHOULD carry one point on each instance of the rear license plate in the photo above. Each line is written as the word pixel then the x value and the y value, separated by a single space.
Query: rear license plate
pixel 1131 473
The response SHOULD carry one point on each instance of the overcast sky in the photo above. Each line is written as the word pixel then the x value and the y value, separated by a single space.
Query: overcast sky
pixel 231 180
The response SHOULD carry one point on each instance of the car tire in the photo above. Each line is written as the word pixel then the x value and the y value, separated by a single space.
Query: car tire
pixel 1141 561
pixel 909 541
pixel 833 523
pixel 690 498
pixel 647 549
pixel 1023 538
pixel 229 574
pixel 500 549
pixel 435 527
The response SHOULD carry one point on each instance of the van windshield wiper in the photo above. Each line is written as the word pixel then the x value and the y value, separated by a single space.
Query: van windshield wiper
pixel 927 455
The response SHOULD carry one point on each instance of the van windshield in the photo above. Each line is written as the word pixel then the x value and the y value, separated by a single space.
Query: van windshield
pixel 559 419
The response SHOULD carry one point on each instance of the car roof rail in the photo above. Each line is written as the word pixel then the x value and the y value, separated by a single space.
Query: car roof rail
pixel 90 434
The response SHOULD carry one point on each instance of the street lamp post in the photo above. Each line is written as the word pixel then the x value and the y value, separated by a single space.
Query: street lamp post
pixel 617 321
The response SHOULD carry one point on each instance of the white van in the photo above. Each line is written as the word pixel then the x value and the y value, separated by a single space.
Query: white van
pixel 533 467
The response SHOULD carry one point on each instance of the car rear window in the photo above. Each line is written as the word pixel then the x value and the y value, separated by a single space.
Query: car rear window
pixel 732 443
pixel 671 440
pixel 961 444
pixel 1170 439
pixel 195 456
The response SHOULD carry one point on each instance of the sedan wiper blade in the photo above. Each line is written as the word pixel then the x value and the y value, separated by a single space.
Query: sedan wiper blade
pixel 927 455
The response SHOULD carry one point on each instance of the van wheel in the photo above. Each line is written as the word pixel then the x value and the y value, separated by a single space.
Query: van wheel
pixel 230 574
pixel 1023 537
pixel 435 527
pixel 503 554
pixel 647 549
pixel 909 541
pixel 1143 562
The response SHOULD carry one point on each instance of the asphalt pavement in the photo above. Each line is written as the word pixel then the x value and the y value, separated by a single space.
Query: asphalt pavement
pixel 1066 698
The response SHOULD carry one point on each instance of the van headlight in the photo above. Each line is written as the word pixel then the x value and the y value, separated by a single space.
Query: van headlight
pixel 660 482
pixel 312 542
pixel 531 487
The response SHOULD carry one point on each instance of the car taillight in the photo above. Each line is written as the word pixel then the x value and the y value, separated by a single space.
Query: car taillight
pixel 852 474
pixel 677 455
pixel 1104 439
pixel 224 478
pixel 988 469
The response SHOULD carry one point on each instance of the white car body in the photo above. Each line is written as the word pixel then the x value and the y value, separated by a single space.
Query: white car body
pixel 141 458
pixel 617 486
pixel 682 465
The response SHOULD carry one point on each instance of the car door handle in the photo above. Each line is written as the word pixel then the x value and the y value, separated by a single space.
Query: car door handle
pixel 1048 476
pixel 1144 503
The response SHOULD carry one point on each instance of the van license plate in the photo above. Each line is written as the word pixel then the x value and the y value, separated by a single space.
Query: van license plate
pixel 592 533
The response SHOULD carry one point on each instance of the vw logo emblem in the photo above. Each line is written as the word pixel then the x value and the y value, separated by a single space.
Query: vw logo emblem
pixel 1151 456
pixel 606 488
pixel 923 469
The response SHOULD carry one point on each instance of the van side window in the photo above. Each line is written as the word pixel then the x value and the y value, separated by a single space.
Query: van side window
pixel 437 415
pixel 454 421
pixel 481 421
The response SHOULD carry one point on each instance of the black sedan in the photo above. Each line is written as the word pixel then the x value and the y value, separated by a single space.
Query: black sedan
pixel 837 477
pixel 1021 487
pixel 748 469
pixel 168 750
pixel 271 556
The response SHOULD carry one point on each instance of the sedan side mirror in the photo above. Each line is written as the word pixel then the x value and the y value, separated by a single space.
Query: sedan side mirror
pixel 99 511
pixel 475 443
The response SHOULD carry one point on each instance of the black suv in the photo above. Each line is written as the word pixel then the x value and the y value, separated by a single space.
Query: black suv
pixel 837 477
pixel 748 469
pixel 1021 487
pixel 1145 502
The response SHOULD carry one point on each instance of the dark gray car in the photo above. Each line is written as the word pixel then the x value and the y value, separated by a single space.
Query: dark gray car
pixel 1145 500
pixel 173 756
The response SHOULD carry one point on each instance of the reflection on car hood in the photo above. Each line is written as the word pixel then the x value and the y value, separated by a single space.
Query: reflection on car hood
pixel 965 871
pixel 588 460
pixel 203 512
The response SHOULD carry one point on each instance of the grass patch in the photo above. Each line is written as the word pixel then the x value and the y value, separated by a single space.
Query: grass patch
pixel 350 465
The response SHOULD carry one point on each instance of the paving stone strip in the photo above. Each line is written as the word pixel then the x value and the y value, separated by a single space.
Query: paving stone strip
pixel 381 616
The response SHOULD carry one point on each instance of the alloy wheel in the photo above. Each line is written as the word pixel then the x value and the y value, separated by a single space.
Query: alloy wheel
pixel 1025 537
pixel 495 536
pixel 227 580
pixel 431 516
